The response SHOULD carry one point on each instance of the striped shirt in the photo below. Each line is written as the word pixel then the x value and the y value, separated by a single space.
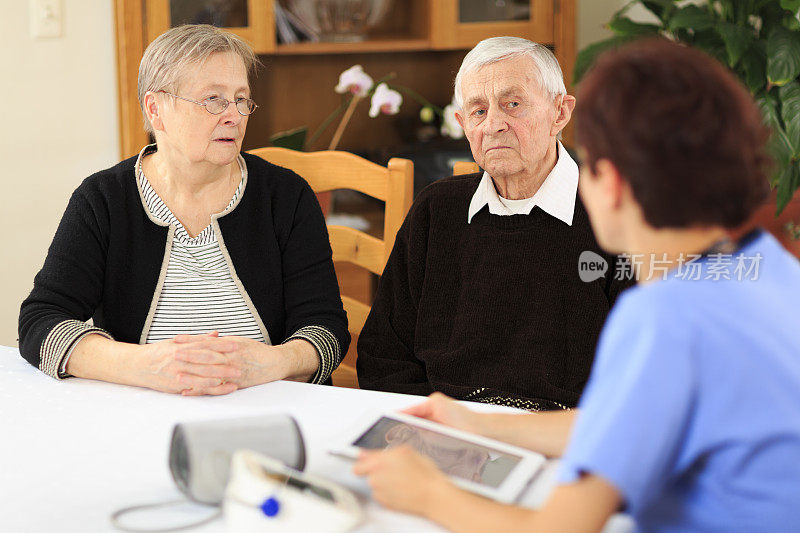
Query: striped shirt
pixel 200 293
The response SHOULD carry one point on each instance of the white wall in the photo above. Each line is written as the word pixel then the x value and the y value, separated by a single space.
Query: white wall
pixel 594 14
pixel 60 107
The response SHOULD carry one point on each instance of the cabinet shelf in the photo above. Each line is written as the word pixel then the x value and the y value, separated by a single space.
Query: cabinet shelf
pixel 373 44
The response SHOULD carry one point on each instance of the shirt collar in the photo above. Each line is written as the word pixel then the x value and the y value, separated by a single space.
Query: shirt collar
pixel 556 195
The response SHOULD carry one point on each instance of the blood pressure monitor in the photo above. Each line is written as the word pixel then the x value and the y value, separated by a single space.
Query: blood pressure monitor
pixel 265 495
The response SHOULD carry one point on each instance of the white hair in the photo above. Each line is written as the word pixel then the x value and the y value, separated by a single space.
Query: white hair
pixel 548 72
pixel 166 59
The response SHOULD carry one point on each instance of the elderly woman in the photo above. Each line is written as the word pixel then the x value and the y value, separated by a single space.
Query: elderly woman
pixel 204 269
pixel 691 419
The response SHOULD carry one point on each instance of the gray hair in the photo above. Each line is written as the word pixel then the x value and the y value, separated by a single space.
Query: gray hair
pixel 167 58
pixel 548 72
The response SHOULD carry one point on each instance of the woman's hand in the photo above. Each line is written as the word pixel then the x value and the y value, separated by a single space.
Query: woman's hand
pixel 445 410
pixel 191 364
pixel 197 364
pixel 255 362
pixel 402 479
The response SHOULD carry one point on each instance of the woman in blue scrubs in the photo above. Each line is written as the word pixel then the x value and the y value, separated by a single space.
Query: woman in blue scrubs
pixel 691 418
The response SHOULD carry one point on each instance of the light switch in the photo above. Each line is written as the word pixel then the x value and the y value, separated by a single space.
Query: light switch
pixel 45 18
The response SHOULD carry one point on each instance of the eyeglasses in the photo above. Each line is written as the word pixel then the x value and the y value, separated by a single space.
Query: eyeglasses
pixel 216 105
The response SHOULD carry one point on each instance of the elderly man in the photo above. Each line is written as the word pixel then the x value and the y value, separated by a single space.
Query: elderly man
pixel 481 298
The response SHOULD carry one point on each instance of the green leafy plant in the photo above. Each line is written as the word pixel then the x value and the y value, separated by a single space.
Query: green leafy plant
pixel 759 40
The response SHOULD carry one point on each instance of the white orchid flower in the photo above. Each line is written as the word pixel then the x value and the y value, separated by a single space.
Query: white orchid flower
pixel 385 100
pixel 355 81
pixel 450 126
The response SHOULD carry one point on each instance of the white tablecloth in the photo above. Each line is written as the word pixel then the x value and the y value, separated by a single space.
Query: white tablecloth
pixel 74 451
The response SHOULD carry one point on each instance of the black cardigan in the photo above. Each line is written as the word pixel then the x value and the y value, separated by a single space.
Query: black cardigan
pixel 107 254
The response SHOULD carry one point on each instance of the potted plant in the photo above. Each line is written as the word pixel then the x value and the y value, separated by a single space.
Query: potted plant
pixel 356 85
pixel 759 40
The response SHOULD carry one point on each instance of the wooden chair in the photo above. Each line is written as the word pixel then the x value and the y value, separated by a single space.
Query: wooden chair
pixel 394 184
pixel 465 167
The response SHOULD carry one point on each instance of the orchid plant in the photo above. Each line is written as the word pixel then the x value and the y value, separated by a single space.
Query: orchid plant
pixel 385 98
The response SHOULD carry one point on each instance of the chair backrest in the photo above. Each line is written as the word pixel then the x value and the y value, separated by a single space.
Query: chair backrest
pixel 330 170
pixel 465 167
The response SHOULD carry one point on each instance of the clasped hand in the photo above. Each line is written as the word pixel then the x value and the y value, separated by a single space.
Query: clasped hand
pixel 195 365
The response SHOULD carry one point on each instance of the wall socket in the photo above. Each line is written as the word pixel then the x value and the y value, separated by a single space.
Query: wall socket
pixel 46 18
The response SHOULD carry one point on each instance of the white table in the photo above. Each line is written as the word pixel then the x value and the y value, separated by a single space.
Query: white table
pixel 74 451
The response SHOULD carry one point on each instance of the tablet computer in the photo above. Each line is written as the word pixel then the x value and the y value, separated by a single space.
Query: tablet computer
pixel 484 466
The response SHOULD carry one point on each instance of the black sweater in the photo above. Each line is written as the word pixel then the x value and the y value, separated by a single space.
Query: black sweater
pixel 106 256
pixel 490 311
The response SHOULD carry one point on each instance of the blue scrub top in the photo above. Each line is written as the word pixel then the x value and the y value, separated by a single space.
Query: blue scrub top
pixel 692 410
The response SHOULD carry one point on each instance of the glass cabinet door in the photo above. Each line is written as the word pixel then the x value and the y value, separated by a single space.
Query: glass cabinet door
pixel 250 19
pixel 222 13
pixel 493 11
pixel 462 23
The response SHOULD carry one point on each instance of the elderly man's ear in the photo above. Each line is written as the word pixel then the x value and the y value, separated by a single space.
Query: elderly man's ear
pixel 460 120
pixel 151 108
pixel 564 106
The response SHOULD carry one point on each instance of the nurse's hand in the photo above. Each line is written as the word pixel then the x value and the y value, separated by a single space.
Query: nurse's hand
pixel 402 479
pixel 445 410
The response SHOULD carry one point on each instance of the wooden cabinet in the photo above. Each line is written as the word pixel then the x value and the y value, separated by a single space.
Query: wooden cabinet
pixel 250 19
pixel 462 23
pixel 421 41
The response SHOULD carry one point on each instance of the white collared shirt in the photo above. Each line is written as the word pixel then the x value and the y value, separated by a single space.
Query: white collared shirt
pixel 556 195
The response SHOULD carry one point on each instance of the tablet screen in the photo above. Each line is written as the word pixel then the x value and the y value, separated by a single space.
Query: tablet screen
pixel 453 456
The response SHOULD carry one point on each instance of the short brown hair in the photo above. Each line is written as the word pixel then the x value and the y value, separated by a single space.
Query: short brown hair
pixel 681 130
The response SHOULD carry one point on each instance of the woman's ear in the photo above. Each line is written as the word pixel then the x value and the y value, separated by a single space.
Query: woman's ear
pixel 610 181
pixel 153 110
pixel 565 104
